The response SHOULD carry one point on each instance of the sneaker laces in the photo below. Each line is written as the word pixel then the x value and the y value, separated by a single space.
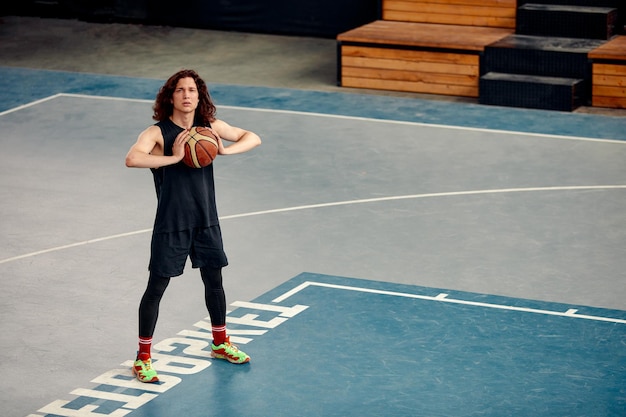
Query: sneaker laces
pixel 146 366
pixel 230 348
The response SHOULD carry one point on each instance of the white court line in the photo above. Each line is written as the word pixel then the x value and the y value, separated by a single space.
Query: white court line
pixel 339 116
pixel 32 103
pixel 444 299
pixel 73 245
pixel 335 204
pixel 415 196
pixel 434 125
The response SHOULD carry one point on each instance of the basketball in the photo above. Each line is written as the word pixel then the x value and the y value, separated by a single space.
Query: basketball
pixel 201 148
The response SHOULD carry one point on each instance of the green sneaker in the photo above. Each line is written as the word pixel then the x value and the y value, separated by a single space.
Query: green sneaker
pixel 229 352
pixel 143 370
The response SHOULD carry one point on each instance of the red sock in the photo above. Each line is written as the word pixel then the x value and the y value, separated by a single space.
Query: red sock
pixel 219 334
pixel 145 343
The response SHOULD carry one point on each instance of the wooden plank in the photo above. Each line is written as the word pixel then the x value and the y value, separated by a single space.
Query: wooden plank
pixel 607 91
pixel 478 21
pixel 612 102
pixel 408 66
pixel 425 35
pixel 396 4
pixel 615 49
pixel 412 76
pixel 407 55
pixel 451 9
pixel 411 87
pixel 609 80
pixel 418 66
pixel 487 13
pixel 410 71
pixel 609 69
pixel 417 57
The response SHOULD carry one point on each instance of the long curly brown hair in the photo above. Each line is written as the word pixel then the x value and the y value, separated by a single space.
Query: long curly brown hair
pixel 163 107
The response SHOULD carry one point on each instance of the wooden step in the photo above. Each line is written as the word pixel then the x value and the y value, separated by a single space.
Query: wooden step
pixel 482 13
pixel 613 50
pixel 531 91
pixel 423 35
pixel 414 57
pixel 609 74
pixel 566 21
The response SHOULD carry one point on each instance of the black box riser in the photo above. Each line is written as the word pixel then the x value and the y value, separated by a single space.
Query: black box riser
pixel 590 3
pixel 535 62
pixel 530 95
pixel 567 24
pixel 616 4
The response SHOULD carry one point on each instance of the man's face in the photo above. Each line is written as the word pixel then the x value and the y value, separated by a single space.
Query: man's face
pixel 185 98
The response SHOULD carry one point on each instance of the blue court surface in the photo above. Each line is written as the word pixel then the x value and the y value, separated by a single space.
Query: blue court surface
pixel 464 260
pixel 22 86
pixel 333 346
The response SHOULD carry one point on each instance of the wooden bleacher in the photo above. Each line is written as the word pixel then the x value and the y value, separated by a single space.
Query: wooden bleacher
pixel 424 46
pixel 609 74
pixel 484 13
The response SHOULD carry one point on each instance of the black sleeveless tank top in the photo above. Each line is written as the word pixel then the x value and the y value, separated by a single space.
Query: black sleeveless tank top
pixel 185 196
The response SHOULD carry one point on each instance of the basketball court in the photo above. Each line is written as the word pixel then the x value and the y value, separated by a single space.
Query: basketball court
pixel 387 256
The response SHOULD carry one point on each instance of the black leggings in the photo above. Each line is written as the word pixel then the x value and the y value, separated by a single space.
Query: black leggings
pixel 214 298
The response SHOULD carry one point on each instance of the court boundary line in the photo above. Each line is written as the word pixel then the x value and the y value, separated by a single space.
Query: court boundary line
pixel 433 125
pixel 335 116
pixel 443 297
pixel 31 104
pixel 333 204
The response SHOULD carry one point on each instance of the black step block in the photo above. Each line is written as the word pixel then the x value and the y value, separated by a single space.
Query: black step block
pixel 614 4
pixel 534 92
pixel 566 21
pixel 538 55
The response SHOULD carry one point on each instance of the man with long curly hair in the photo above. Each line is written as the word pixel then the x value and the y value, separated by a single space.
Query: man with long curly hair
pixel 186 222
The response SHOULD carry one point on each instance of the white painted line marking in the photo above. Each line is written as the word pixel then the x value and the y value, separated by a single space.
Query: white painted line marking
pixel 334 204
pixel 569 313
pixel 31 104
pixel 400 122
pixel 73 245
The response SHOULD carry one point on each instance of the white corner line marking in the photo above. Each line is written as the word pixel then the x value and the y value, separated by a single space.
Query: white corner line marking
pixel 31 104
pixel 572 313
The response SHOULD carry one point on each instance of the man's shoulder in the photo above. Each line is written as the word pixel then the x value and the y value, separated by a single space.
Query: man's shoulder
pixel 153 131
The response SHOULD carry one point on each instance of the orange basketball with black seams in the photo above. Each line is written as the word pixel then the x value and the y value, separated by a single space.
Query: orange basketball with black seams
pixel 201 148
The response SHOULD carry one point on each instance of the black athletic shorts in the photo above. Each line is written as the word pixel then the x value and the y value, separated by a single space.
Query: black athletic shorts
pixel 169 251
